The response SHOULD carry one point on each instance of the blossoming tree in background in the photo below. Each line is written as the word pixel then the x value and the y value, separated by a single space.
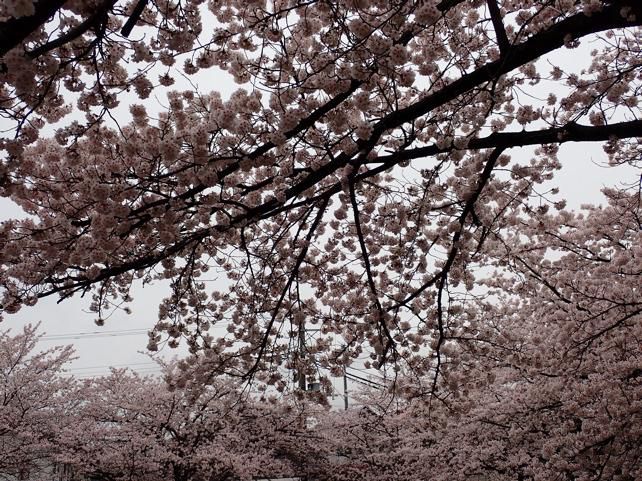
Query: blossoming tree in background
pixel 35 401
pixel 123 426
pixel 147 428
pixel 361 182
pixel 543 383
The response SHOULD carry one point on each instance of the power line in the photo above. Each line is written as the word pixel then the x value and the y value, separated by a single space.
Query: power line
pixel 106 366
pixel 369 373
pixel 106 371
pixel 363 380
pixel 94 334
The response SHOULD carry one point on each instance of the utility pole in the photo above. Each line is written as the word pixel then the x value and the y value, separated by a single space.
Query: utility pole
pixel 300 373
pixel 345 389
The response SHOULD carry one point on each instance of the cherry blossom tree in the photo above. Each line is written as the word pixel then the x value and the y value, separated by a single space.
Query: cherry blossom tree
pixel 35 400
pixel 355 183
pixel 123 426
pixel 133 427
pixel 545 385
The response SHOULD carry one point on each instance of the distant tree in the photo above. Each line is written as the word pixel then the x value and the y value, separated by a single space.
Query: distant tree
pixel 35 401
pixel 356 183
pixel 143 428
pixel 544 383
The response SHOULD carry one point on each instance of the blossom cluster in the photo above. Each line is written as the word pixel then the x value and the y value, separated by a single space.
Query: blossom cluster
pixel 358 180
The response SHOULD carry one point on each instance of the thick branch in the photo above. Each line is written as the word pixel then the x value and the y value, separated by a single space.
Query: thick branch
pixel 133 18
pixel 520 54
pixel 536 46
pixel 90 22
pixel 498 25
pixel 15 30
pixel 304 124
pixel 571 132
pixel 541 43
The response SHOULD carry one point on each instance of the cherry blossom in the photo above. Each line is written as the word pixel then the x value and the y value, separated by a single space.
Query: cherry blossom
pixel 132 427
pixel 542 383
pixel 364 173
pixel 36 400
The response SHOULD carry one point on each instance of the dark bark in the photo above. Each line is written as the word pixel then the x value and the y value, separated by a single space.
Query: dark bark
pixel 15 30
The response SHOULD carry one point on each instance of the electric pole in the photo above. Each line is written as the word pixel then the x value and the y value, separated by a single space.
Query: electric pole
pixel 300 373
pixel 345 389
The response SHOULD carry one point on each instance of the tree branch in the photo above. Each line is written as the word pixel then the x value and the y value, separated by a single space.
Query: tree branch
pixel 293 274
pixel 92 21
pixel 452 255
pixel 571 132
pixel 390 342
pixel 498 24
pixel 541 43
pixel 15 30
pixel 133 18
